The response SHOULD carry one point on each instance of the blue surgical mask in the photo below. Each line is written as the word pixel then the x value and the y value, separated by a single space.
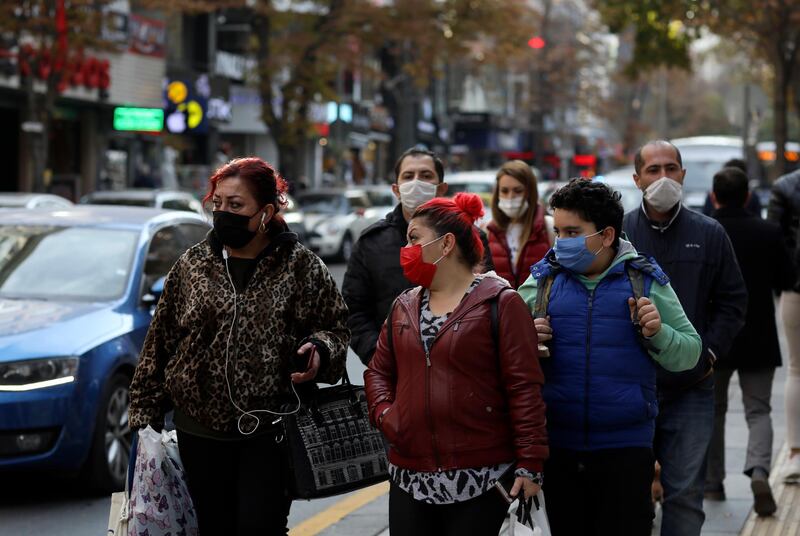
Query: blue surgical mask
pixel 572 253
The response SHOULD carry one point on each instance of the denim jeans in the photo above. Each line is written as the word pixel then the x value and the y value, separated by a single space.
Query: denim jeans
pixel 683 434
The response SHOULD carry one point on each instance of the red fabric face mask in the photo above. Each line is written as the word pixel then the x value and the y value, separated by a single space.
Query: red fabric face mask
pixel 415 269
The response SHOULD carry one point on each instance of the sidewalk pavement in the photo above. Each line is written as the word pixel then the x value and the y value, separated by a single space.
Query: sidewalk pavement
pixel 727 518
pixel 786 520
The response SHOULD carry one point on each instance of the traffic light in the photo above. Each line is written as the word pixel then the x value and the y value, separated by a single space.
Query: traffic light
pixel 536 42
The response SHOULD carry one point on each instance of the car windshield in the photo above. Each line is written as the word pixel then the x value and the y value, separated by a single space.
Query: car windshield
pixel 358 201
pixel 323 203
pixel 127 201
pixel 10 202
pixel 470 187
pixel 65 263
pixel 381 199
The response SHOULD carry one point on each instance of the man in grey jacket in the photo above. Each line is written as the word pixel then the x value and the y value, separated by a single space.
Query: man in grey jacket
pixel 697 255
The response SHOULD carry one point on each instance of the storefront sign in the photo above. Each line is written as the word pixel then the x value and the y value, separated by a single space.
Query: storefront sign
pixel 139 119
pixel 232 65
pixel 186 108
pixel 148 36
pixel 219 109
pixel 116 28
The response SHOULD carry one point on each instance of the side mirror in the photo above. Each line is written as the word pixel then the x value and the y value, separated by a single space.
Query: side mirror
pixel 151 298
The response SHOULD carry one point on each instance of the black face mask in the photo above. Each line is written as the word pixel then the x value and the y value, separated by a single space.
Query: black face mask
pixel 232 229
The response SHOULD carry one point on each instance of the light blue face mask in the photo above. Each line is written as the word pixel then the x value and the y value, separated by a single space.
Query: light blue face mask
pixel 572 253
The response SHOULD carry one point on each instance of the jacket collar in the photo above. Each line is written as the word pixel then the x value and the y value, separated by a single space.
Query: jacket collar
pixel 661 226
pixel 489 287
pixel 732 212
pixel 284 236
pixel 396 219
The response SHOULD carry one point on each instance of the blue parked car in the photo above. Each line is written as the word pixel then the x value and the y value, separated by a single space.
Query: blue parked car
pixel 77 291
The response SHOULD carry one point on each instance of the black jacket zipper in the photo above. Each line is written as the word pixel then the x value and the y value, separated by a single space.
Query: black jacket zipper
pixel 586 384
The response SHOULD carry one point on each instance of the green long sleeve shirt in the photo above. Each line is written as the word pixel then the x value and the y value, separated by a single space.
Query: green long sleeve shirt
pixel 678 343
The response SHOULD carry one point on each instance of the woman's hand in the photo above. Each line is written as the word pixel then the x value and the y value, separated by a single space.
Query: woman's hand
pixel 528 486
pixel 313 364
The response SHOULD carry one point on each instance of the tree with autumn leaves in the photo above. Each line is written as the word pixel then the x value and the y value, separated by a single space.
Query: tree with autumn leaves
pixel 46 45
pixel 663 31
pixel 302 48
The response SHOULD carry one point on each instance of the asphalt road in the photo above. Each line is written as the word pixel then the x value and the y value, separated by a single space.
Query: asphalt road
pixel 38 505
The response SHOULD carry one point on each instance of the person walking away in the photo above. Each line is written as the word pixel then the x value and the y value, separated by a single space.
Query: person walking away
pixel 455 383
pixel 600 378
pixel 374 277
pixel 240 311
pixel 520 233
pixel 753 204
pixel 784 209
pixel 766 268
pixel 697 255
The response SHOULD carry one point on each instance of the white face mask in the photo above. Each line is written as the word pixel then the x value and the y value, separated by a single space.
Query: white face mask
pixel 663 194
pixel 513 207
pixel 415 193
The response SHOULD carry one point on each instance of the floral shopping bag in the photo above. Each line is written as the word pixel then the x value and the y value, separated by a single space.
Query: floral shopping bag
pixel 160 504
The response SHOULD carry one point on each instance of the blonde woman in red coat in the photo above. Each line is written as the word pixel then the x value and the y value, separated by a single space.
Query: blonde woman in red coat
pixel 519 233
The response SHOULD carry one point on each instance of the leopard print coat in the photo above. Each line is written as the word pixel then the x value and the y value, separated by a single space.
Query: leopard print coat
pixel 290 299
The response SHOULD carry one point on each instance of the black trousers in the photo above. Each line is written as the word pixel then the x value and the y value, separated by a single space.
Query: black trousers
pixel 481 516
pixel 599 493
pixel 237 487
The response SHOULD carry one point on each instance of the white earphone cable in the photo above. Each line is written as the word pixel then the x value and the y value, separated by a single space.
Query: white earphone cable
pixel 246 413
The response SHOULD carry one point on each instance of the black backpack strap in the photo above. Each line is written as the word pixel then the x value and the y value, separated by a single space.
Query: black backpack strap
pixel 636 278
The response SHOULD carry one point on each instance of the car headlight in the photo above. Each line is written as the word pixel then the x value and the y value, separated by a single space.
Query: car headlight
pixel 37 373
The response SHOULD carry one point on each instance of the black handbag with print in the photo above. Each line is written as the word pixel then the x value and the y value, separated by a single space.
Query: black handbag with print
pixel 329 445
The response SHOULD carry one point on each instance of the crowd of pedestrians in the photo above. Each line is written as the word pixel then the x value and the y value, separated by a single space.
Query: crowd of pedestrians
pixel 571 348
pixel 641 319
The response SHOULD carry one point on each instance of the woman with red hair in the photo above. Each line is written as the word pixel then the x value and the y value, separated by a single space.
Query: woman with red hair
pixel 455 383
pixel 244 314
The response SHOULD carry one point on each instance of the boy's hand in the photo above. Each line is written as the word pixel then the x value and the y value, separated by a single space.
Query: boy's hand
pixel 649 317
pixel 543 329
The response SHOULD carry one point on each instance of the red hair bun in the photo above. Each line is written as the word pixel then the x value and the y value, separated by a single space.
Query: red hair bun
pixel 470 204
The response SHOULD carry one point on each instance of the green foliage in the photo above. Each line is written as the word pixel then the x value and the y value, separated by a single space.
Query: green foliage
pixel 657 29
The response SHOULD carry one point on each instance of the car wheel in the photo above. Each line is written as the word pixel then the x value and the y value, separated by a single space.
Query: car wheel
pixel 346 249
pixel 111 444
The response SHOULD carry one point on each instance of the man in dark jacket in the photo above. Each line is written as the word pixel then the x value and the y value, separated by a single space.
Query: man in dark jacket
pixel 374 277
pixel 766 268
pixel 697 255
pixel 753 204
pixel 784 209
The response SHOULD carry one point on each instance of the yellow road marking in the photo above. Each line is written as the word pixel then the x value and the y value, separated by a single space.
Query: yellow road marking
pixel 321 521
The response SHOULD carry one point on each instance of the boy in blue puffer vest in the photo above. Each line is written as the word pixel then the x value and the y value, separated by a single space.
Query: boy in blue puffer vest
pixel 600 379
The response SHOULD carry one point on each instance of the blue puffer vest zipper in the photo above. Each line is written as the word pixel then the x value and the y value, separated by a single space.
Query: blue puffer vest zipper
pixel 600 383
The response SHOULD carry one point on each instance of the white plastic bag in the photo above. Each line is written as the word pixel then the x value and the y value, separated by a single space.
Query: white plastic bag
pixel 527 523
pixel 160 504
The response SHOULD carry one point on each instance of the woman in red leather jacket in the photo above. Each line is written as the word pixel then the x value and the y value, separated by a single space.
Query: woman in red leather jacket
pixel 456 394
pixel 519 233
